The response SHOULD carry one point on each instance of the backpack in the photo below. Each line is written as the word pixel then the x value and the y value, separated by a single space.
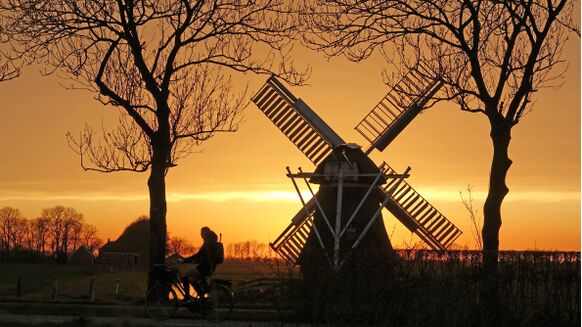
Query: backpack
pixel 219 251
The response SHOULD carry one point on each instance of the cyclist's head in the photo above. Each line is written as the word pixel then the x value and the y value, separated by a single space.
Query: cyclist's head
pixel 205 232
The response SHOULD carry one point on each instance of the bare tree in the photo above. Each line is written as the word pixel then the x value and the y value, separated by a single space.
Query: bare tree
pixel 491 55
pixel 54 217
pixel 473 216
pixel 8 68
pixel 10 222
pixel 29 235
pixel 90 239
pixel 72 223
pixel 75 239
pixel 179 245
pixel 230 252
pixel 40 233
pixel 61 224
pixel 259 250
pixel 20 233
pixel 164 65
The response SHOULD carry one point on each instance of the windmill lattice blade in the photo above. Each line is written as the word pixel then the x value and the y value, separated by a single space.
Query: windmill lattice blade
pixel 291 242
pixel 417 214
pixel 296 120
pixel 399 107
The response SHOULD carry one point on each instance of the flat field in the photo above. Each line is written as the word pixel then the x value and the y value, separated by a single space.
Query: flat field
pixel 418 289
pixel 37 281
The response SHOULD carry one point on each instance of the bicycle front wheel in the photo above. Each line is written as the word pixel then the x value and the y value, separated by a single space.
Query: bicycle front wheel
pixel 216 305
pixel 161 302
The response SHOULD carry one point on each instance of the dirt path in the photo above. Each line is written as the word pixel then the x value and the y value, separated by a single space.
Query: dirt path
pixel 40 320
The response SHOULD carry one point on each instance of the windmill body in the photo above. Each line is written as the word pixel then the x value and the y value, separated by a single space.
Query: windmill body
pixel 346 204
pixel 343 219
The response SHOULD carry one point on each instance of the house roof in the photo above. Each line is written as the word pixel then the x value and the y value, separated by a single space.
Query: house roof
pixel 82 249
pixel 134 239
pixel 107 247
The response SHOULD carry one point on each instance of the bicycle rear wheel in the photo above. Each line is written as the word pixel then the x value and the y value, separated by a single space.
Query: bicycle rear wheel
pixel 216 305
pixel 161 302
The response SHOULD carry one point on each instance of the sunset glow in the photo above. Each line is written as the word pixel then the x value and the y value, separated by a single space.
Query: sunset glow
pixel 236 183
pixel 436 194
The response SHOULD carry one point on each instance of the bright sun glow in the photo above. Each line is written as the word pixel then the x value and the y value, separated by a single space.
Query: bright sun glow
pixel 434 194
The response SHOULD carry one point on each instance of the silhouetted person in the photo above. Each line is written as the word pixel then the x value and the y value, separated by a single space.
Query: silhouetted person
pixel 205 258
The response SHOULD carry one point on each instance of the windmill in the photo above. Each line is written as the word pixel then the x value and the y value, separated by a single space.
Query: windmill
pixel 345 214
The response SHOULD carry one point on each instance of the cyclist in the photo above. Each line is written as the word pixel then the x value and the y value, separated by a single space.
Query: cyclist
pixel 206 260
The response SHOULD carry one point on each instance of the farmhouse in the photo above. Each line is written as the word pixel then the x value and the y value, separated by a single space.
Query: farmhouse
pixel 131 247
pixel 114 254
pixel 82 255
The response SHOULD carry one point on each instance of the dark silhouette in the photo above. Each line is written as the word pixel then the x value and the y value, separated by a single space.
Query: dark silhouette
pixel 8 68
pixel 492 57
pixel 90 240
pixel 52 237
pixel 131 247
pixel 164 65
pixel 205 258
pixel 214 301
pixel 40 234
pixel 179 245
pixel 339 233
pixel 12 228
pixel 82 255
pixel 8 71
pixel 64 227
pixel 357 249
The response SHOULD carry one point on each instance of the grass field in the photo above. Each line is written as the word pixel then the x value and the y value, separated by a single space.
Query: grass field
pixel 37 280
pixel 422 288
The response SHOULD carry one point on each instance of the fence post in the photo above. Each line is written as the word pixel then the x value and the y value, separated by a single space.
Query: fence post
pixel 55 289
pixel 92 290
pixel 117 287
pixel 18 286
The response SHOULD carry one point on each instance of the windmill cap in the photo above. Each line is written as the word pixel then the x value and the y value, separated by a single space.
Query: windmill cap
pixel 353 155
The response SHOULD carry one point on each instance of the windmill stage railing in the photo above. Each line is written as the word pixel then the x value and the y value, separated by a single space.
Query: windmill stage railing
pixel 409 207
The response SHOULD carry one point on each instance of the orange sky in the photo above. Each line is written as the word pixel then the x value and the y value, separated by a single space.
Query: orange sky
pixel 237 183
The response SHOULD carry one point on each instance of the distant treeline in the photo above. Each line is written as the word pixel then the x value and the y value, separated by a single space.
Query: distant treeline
pixel 59 231
pixel 246 250
pixel 52 236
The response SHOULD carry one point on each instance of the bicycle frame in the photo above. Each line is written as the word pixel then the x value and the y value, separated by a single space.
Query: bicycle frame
pixel 176 284
pixel 215 301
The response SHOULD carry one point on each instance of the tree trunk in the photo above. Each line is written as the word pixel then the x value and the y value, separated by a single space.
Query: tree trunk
pixel 157 190
pixel 63 252
pixel 501 137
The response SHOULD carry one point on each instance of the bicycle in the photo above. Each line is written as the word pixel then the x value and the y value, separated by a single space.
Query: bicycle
pixel 163 299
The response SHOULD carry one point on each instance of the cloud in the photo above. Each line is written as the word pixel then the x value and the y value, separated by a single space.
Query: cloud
pixel 213 196
pixel 451 195
pixel 278 195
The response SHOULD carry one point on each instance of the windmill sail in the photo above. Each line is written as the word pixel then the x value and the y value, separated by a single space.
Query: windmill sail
pixel 417 214
pixel 399 107
pixel 296 120
pixel 317 140
pixel 290 243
